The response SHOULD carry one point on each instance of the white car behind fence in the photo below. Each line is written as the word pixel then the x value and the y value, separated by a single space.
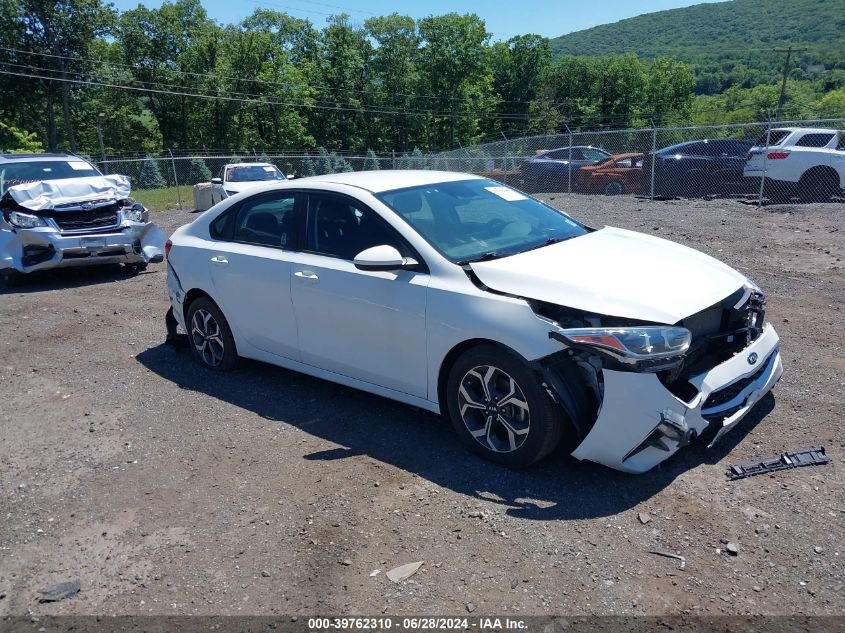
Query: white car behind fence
pixel 804 162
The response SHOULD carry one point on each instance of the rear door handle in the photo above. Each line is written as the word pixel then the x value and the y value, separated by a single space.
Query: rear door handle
pixel 219 259
pixel 307 275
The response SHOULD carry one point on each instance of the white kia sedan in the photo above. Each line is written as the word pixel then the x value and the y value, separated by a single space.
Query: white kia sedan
pixel 454 293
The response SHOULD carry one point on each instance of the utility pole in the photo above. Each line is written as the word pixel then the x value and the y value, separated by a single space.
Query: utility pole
pixel 782 99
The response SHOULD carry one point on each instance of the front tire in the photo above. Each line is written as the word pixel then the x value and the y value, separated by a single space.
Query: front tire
pixel 210 337
pixel 499 408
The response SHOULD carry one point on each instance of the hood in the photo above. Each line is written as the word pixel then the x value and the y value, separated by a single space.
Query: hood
pixel 48 194
pixel 615 272
pixel 237 187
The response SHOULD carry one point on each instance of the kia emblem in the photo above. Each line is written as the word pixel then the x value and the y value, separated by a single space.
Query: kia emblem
pixel 752 358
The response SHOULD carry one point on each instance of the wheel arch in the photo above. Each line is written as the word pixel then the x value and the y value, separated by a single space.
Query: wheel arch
pixel 821 170
pixel 192 295
pixel 452 356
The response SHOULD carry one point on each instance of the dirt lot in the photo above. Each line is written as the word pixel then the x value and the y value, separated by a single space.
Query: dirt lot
pixel 171 490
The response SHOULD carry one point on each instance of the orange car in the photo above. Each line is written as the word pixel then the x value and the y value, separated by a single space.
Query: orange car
pixel 616 174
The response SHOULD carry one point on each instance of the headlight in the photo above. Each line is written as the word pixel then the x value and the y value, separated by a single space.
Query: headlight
pixel 25 220
pixel 648 348
pixel 135 213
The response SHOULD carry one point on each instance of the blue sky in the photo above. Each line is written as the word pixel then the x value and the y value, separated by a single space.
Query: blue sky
pixel 504 18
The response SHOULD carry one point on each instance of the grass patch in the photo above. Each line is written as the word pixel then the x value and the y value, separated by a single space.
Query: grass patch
pixel 164 199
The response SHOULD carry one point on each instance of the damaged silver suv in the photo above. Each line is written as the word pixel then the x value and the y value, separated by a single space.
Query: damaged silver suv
pixel 58 210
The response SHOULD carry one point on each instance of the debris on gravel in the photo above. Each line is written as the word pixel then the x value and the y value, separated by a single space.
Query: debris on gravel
pixel 60 590
pixel 682 562
pixel 398 574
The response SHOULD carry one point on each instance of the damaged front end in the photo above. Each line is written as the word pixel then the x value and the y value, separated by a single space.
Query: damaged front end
pixel 75 222
pixel 652 389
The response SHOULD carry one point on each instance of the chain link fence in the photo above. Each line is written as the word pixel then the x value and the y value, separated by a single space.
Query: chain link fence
pixel 785 161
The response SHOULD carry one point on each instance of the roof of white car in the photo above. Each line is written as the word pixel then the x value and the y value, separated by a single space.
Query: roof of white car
pixel 812 130
pixel 249 165
pixel 389 179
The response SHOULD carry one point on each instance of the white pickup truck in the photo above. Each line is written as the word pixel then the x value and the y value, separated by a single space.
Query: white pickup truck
pixel 804 162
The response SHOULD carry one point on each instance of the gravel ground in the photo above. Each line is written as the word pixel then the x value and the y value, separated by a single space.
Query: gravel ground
pixel 170 490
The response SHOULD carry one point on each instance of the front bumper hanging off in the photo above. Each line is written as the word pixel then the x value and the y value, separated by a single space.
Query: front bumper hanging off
pixel 28 250
pixel 641 423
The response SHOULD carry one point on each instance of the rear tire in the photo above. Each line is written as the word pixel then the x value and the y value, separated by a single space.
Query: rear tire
pixel 499 408
pixel 613 189
pixel 210 337
pixel 818 185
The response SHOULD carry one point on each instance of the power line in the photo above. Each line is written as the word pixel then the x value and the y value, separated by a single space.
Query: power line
pixel 242 79
pixel 263 101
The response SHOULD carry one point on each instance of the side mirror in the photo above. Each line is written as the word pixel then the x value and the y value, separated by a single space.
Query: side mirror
pixel 216 181
pixel 290 176
pixel 382 258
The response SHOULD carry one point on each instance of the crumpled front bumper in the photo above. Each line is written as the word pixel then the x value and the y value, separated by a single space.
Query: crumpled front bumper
pixel 28 250
pixel 626 436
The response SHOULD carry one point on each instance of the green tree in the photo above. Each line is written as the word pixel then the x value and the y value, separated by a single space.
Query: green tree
pixel 150 176
pixel 519 66
pixel 394 80
pixel 341 165
pixel 198 171
pixel 324 164
pixel 308 168
pixel 341 69
pixel 371 162
pixel 57 36
pixel 832 105
pixel 15 140
pixel 669 90
pixel 622 81
pixel 455 67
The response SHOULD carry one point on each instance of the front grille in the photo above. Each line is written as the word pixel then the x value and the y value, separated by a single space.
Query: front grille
pixel 734 389
pixel 718 334
pixel 80 220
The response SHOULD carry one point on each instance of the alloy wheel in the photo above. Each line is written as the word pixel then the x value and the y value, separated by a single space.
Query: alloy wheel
pixel 494 409
pixel 206 338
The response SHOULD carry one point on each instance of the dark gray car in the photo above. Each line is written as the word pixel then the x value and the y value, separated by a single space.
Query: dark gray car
pixel 550 171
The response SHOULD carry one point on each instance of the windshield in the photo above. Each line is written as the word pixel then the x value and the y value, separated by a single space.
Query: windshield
pixel 18 173
pixel 470 220
pixel 251 173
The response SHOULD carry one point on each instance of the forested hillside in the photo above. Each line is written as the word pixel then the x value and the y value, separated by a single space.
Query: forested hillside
pixel 174 77
pixel 726 43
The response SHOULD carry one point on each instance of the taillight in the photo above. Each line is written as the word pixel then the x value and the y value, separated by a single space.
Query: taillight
pixel 777 155
pixel 167 246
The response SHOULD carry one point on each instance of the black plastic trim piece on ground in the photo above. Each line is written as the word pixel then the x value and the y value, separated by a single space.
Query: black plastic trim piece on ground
pixel 784 461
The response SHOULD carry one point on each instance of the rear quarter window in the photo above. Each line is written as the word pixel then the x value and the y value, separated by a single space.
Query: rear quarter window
pixel 775 138
pixel 814 140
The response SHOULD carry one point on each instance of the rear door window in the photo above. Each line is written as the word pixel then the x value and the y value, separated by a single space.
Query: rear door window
pixel 266 220
pixel 814 140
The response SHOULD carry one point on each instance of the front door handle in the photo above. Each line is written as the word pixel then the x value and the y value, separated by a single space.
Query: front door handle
pixel 307 275
pixel 219 259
